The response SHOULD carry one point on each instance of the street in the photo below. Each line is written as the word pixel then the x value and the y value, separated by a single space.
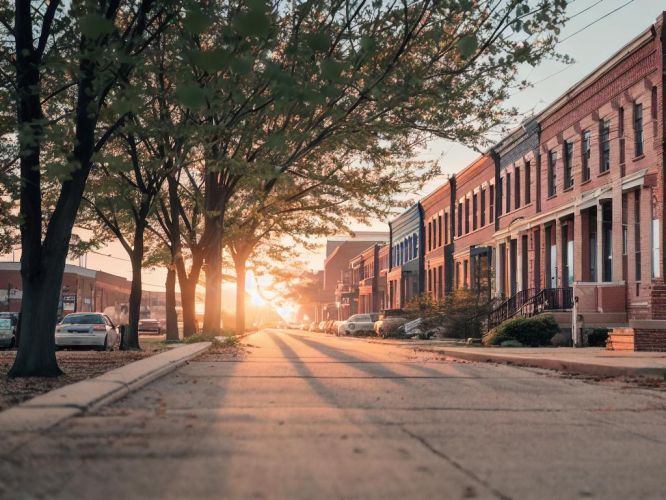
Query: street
pixel 304 415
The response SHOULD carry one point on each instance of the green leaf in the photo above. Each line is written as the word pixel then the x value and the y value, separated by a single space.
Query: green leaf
pixel 252 23
pixel 94 25
pixel 240 66
pixel 196 22
pixel 467 45
pixel 210 60
pixel 368 43
pixel 330 69
pixel 191 95
pixel 318 42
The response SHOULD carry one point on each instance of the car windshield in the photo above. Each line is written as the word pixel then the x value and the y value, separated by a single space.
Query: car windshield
pixel 10 316
pixel 83 319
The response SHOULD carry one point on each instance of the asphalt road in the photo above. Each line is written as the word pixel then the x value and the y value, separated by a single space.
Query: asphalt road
pixel 311 416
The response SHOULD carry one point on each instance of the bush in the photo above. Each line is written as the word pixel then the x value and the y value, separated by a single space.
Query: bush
pixel 534 332
pixel 460 315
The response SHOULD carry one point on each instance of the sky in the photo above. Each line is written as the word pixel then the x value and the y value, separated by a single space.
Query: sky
pixel 593 39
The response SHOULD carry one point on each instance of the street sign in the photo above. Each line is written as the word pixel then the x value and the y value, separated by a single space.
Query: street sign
pixel 69 303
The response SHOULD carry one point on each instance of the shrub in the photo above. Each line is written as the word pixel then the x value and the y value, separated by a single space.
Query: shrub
pixel 460 315
pixel 533 332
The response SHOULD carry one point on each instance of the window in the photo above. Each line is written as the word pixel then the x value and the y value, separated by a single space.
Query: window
pixel 475 210
pixel 528 183
pixel 516 174
pixel 637 233
pixel 429 235
pixel 465 266
pixel 446 228
pixel 585 154
pixel 552 173
pixel 466 215
pixel 604 146
pixel 500 194
pixel 457 275
pixel 491 204
pixel 607 242
pixel 655 248
pixel 508 192
pixel 568 167
pixel 415 245
pixel 430 280
pixel 654 103
pixel 620 133
pixel 439 230
pixel 638 129
pixel 483 207
pixel 460 214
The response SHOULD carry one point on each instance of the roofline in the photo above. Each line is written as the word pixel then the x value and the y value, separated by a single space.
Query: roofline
pixel 646 36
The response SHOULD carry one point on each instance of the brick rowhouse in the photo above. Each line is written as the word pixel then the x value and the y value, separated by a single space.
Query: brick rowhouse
pixel 567 207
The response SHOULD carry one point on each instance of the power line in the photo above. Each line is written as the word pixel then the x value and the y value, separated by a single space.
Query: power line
pixel 595 21
pixel 584 10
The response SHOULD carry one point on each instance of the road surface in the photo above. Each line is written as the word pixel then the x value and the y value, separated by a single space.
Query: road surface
pixel 311 416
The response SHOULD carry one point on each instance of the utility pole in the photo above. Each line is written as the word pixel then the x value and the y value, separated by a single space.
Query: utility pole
pixel 9 291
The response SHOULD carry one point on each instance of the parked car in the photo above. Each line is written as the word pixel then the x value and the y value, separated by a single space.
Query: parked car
pixel 332 327
pixel 321 326
pixel 149 326
pixel 389 322
pixel 358 324
pixel 94 330
pixel 8 325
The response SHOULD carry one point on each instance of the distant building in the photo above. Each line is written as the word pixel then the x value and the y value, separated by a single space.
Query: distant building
pixel 337 276
pixel 84 290
pixel 405 276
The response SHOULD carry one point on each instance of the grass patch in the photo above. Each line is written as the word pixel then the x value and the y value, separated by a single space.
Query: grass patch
pixel 226 340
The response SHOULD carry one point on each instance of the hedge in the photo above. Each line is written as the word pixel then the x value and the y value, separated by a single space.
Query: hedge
pixel 534 332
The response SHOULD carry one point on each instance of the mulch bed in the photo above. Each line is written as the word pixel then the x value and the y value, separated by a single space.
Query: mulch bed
pixel 76 365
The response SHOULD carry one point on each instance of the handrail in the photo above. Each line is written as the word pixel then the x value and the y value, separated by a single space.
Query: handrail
pixel 530 303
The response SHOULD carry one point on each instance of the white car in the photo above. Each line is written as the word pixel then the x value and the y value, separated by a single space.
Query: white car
pixel 358 324
pixel 94 330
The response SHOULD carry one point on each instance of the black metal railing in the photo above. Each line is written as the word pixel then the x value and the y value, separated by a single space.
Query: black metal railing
pixel 509 307
pixel 530 302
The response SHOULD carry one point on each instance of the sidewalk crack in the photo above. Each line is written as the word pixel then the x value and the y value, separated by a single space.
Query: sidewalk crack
pixel 469 473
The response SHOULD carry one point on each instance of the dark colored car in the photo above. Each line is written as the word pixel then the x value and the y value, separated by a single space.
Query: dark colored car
pixel 8 333
pixel 149 326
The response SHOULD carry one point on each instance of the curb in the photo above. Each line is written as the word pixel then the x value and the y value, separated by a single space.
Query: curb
pixel 47 410
pixel 598 370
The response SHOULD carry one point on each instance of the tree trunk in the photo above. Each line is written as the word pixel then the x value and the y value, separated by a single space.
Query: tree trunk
pixel 171 314
pixel 213 311
pixel 36 348
pixel 188 303
pixel 188 286
pixel 241 272
pixel 136 258
pixel 131 340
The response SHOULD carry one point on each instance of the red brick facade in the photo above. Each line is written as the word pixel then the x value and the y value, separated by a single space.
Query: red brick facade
pixel 571 202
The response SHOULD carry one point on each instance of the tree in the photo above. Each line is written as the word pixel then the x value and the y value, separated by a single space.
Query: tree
pixel 70 62
pixel 278 86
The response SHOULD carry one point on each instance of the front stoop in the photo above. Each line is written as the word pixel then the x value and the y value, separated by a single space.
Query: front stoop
pixel 648 335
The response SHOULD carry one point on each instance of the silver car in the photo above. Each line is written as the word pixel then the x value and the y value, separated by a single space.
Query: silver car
pixel 93 330
pixel 358 324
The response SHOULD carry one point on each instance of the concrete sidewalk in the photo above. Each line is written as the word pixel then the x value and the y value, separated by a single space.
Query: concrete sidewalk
pixel 594 361
pixel 47 410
